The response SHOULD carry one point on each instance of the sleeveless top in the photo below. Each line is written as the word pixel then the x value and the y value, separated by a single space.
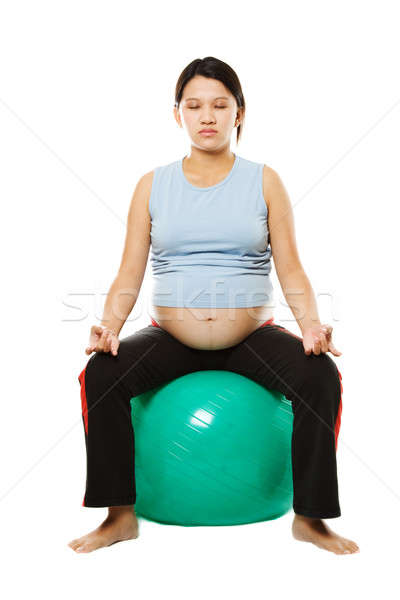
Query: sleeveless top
pixel 210 246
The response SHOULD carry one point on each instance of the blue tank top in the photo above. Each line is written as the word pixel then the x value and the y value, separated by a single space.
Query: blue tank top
pixel 210 246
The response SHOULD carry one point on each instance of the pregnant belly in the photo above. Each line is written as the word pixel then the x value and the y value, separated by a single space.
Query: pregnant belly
pixel 210 328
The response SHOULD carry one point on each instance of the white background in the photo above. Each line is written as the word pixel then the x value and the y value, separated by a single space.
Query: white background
pixel 86 97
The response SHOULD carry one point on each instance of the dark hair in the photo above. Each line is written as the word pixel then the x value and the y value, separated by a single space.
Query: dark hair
pixel 215 69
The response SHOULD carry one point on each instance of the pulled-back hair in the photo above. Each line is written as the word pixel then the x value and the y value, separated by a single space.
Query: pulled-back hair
pixel 215 69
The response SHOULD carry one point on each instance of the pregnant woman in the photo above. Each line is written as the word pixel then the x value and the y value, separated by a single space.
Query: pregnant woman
pixel 213 220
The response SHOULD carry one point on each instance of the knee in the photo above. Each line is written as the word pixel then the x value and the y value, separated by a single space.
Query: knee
pixel 102 370
pixel 323 379
pixel 324 370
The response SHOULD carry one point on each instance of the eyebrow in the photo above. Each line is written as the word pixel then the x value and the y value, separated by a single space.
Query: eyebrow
pixel 218 98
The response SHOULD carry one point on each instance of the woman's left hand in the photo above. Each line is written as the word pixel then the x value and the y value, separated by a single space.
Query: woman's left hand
pixel 318 339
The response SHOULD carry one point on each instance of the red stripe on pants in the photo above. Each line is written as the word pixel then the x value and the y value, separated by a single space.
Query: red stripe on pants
pixel 81 378
pixel 83 398
pixel 339 415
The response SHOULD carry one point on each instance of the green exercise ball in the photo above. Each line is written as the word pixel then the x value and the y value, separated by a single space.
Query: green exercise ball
pixel 212 448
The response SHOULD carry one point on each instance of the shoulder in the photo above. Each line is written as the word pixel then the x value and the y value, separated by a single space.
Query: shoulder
pixel 273 187
pixel 143 190
pixel 157 175
pixel 140 198
pixel 146 180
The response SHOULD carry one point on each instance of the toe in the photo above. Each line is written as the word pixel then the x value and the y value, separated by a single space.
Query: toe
pixel 342 548
pixel 349 547
pixel 73 544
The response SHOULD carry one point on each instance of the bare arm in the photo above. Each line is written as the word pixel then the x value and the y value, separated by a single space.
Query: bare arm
pixel 294 282
pixel 125 288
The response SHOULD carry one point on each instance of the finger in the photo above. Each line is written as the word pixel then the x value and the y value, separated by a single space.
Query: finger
pixel 96 329
pixel 324 343
pixel 307 349
pixel 106 344
pixel 316 346
pixel 114 345
pixel 113 340
pixel 327 330
pixel 334 350
pixel 109 341
pixel 101 342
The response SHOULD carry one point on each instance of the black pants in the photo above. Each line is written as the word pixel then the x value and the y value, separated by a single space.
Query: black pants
pixel 271 355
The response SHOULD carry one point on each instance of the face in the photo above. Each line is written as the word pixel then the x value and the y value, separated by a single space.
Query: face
pixel 207 104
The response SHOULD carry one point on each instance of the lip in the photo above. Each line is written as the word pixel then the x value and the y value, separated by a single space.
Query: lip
pixel 207 132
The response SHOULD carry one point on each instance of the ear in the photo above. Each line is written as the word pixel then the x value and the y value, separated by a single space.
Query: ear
pixel 177 116
pixel 240 115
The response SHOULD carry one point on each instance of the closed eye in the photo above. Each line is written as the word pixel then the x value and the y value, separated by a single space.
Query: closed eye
pixel 195 107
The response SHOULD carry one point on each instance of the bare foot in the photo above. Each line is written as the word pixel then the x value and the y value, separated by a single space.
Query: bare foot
pixel 120 524
pixel 318 533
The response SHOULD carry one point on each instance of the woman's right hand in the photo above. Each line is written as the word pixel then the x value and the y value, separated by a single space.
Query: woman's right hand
pixel 102 339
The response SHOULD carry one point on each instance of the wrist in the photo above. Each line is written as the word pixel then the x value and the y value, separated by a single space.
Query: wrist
pixel 109 328
pixel 308 323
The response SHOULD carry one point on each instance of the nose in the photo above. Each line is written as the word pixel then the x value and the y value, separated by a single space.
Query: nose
pixel 207 120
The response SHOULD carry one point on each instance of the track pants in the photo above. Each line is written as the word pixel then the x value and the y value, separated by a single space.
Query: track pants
pixel 271 355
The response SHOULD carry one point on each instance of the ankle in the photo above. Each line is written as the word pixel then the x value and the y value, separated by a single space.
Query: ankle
pixel 120 511
pixel 305 519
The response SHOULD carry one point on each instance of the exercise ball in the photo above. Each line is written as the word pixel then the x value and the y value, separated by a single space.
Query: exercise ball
pixel 212 448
